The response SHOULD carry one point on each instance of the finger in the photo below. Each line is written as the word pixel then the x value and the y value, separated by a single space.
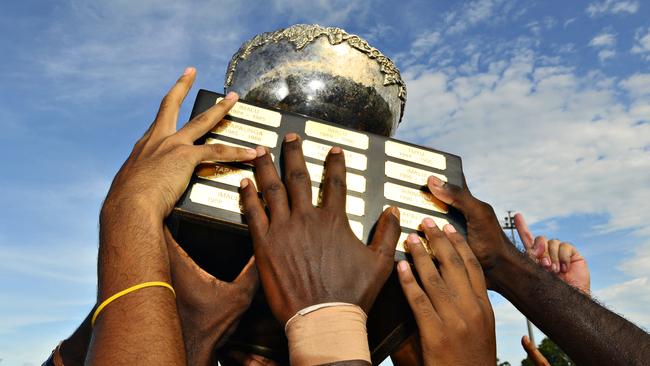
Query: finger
pixel 387 233
pixel 540 252
pixel 524 233
pixel 165 122
pixel 224 153
pixel 425 315
pixel 248 278
pixel 565 253
pixel 553 249
pixel 472 265
pixel 458 197
pixel 271 186
pixel 533 353
pixel 434 285
pixel 334 185
pixel 205 121
pixel 296 176
pixel 256 218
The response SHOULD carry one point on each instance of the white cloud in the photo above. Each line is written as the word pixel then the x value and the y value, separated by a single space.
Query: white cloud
pixel 324 12
pixel 424 43
pixel 630 299
pixel 603 40
pixel 612 7
pixel 642 43
pixel 638 85
pixel 605 43
pixel 530 133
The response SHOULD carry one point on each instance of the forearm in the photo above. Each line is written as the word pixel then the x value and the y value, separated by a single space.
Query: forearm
pixel 141 327
pixel 586 331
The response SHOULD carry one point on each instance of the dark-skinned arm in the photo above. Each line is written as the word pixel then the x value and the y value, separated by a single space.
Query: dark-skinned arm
pixel 588 332
pixel 309 255
pixel 143 327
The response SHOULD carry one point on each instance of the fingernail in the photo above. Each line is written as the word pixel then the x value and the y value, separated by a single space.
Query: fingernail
pixel 554 267
pixel 563 267
pixel 244 183
pixel 251 152
pixel 546 262
pixel 435 181
pixel 428 223
pixel 336 150
pixel 232 96
pixel 402 266
pixel 450 228
pixel 188 70
pixel 261 151
pixel 413 238
pixel 290 137
pixel 395 211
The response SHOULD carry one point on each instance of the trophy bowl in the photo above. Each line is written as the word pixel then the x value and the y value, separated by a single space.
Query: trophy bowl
pixel 322 72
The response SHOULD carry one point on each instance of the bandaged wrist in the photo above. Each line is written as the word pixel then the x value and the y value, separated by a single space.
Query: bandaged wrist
pixel 327 333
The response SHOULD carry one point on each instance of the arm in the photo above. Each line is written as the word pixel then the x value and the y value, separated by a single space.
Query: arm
pixel 309 256
pixel 143 327
pixel 585 330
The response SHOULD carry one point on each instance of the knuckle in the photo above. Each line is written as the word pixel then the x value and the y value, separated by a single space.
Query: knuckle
pixel 335 181
pixel 273 189
pixel 298 175
pixel 472 262
pixel 456 261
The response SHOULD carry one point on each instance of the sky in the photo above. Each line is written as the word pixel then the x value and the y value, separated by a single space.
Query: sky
pixel 547 102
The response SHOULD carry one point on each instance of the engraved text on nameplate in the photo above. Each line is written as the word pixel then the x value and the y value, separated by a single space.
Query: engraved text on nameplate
pixel 255 114
pixel 223 173
pixel 215 197
pixel 337 135
pixel 240 131
pixel 412 219
pixel 319 151
pixel 416 155
pixel 413 197
pixel 409 174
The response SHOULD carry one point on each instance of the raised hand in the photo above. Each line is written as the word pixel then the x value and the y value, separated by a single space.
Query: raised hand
pixel 561 258
pixel 484 234
pixel 209 308
pixel 452 309
pixel 309 255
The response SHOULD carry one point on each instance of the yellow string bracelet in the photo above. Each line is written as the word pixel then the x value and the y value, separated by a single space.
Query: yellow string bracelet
pixel 127 291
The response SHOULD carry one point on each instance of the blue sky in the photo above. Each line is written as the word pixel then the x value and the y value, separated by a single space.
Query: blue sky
pixel 547 102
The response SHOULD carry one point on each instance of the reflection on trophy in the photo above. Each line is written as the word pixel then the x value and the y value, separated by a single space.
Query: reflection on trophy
pixel 332 88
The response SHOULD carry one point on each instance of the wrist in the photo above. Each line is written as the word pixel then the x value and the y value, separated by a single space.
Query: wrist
pixel 510 269
pixel 327 335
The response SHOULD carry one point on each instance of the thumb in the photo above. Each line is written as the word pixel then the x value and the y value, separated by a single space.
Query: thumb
pixel 248 278
pixel 457 197
pixel 387 233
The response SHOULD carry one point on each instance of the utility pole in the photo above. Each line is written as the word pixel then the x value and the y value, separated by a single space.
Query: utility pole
pixel 510 225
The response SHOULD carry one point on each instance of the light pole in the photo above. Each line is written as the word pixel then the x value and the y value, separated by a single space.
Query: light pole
pixel 510 225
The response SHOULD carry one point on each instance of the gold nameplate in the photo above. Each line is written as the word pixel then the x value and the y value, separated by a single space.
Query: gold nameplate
pixel 409 174
pixel 413 197
pixel 337 135
pixel 416 155
pixel 224 174
pixel 212 141
pixel 413 219
pixel 354 182
pixel 240 131
pixel 401 243
pixel 215 197
pixel 319 151
pixel 357 228
pixel 255 114
pixel 353 205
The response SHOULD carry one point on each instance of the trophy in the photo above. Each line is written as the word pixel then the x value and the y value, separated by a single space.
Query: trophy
pixel 331 88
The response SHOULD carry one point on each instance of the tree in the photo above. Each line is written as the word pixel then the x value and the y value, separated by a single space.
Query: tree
pixel 553 353
pixel 506 363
